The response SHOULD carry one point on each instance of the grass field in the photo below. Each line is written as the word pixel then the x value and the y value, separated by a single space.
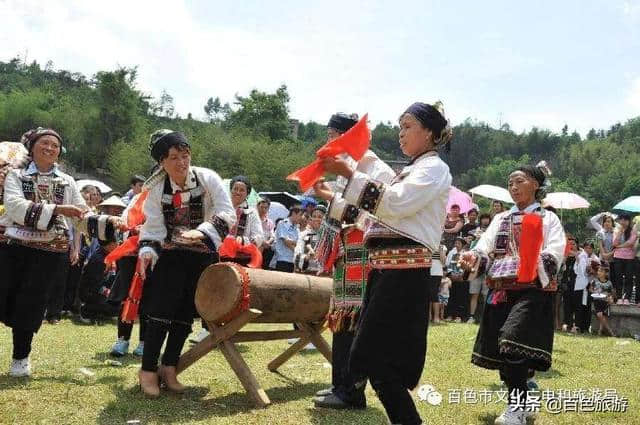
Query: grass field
pixel 58 393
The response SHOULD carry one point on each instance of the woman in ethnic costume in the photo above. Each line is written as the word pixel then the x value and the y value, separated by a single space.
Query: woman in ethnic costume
pixel 350 271
pixel 188 214
pixel 42 206
pixel 408 215
pixel 522 250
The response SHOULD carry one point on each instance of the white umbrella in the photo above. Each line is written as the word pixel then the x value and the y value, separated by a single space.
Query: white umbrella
pixel 277 210
pixel 566 201
pixel 492 192
pixel 103 188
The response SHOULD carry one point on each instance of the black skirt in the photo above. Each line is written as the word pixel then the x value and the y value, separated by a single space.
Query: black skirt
pixel 392 330
pixel 122 283
pixel 520 328
pixel 169 290
pixel 601 306
pixel 28 277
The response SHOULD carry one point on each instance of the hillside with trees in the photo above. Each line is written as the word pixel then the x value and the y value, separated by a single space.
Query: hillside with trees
pixel 106 120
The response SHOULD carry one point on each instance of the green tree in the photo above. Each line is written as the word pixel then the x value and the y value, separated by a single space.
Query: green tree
pixel 264 113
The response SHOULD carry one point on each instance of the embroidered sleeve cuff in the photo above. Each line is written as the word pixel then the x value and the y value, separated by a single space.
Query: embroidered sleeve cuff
pixel 547 268
pixel 46 218
pixel 216 230
pixel 364 192
pixel 355 187
pixel 341 211
pixel 32 215
pixel 100 227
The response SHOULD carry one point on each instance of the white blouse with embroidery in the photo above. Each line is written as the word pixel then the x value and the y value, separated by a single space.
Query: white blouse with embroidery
pixel 216 205
pixel 413 205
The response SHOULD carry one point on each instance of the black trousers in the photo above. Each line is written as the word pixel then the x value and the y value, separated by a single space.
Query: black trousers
pixel 56 300
pixel 571 302
pixel 283 266
pixel 514 373
pixel 390 343
pixel 344 384
pixel 71 301
pixel 624 270
pixel 125 329
pixel 458 305
pixel 29 276
pixel 168 304
pixel 21 343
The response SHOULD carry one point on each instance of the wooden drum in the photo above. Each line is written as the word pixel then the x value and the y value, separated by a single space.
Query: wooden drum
pixel 226 289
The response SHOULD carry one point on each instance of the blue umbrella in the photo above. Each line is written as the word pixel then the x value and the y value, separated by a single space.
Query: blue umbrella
pixel 631 204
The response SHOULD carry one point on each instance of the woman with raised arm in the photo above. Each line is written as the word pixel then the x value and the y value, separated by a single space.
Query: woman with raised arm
pixel 521 250
pixel 407 216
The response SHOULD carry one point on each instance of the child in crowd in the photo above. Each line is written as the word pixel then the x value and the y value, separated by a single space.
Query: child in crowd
pixel 601 292
pixel 443 299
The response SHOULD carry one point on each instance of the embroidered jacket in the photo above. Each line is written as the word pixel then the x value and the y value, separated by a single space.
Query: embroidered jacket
pixel 30 199
pixel 217 217
pixel 554 241
pixel 248 226
pixel 411 206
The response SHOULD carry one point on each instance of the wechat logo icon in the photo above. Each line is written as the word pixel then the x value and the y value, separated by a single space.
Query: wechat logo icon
pixel 429 394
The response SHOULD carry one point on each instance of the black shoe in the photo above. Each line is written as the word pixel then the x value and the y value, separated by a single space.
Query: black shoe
pixel 325 392
pixel 332 401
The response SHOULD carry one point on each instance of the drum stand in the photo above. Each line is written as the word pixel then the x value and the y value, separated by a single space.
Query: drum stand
pixel 226 336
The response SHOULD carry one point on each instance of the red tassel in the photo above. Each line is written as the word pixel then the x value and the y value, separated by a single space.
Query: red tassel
pixel 354 142
pixel 530 245
pixel 230 248
pixel 135 216
pixel 132 303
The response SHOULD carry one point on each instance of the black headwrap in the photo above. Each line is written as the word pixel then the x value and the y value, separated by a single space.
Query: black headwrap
pixel 241 179
pixel 163 140
pixel 429 117
pixel 30 138
pixel 342 122
pixel 539 173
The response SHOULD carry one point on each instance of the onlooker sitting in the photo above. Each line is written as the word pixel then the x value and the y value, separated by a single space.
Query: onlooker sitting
pixel 95 285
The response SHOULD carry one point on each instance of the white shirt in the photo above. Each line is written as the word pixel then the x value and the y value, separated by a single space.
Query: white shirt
pixel 580 268
pixel 16 205
pixel 216 203
pixel 414 204
pixel 554 240
pixel 253 228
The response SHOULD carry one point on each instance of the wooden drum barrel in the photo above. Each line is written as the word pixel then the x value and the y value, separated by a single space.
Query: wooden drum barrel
pixel 282 297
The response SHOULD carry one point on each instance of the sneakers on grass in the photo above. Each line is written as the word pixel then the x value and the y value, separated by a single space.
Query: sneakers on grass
pixel 120 348
pixel 139 351
pixel 512 416
pixel 20 368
